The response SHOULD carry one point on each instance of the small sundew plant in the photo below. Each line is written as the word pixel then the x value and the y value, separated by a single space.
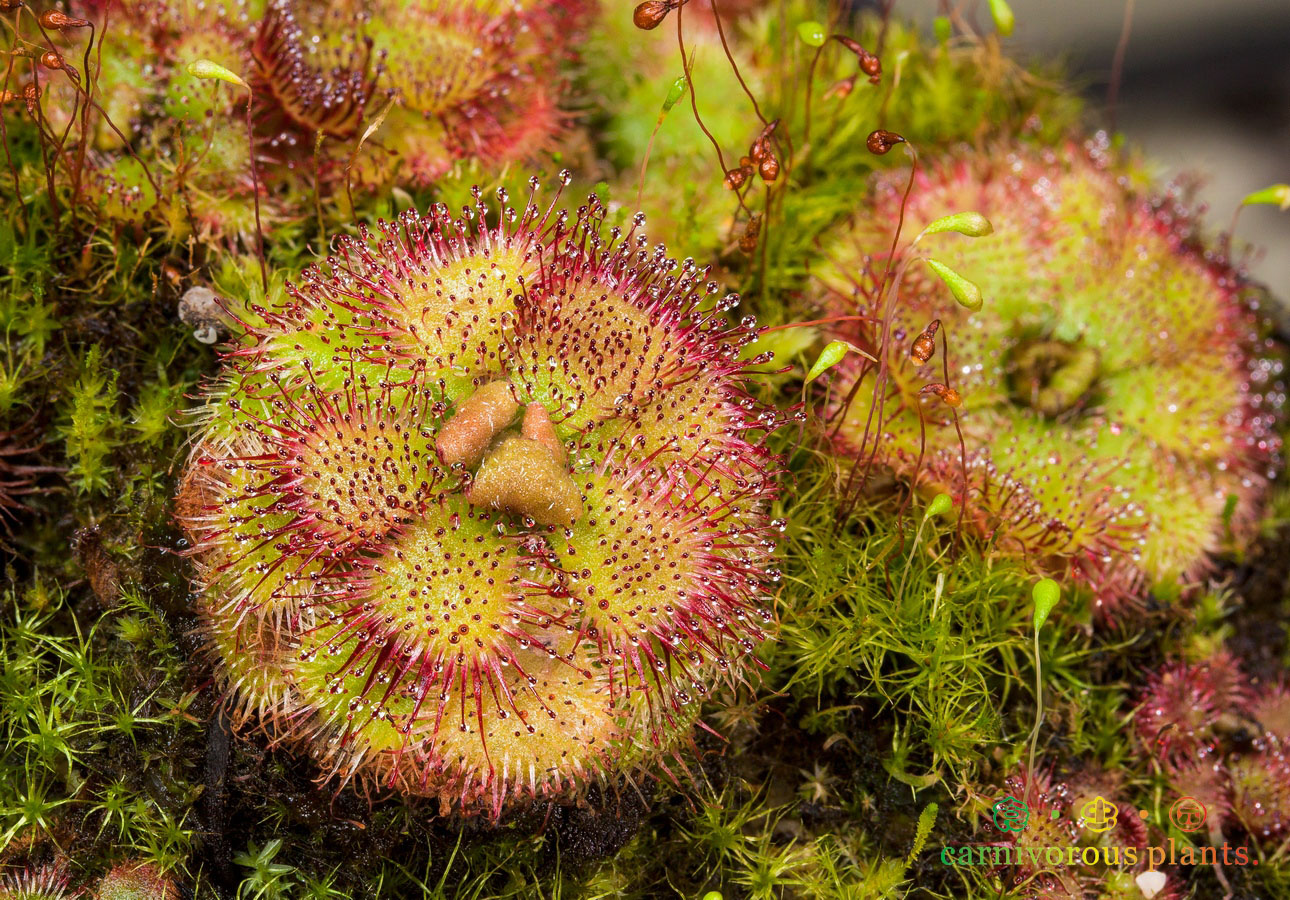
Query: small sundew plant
pixel 442 81
pixel 1184 724
pixel 340 94
pixel 43 883
pixel 478 509
pixel 136 881
pixel 1107 394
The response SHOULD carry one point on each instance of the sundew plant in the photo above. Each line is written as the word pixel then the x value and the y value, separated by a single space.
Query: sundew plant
pixel 697 448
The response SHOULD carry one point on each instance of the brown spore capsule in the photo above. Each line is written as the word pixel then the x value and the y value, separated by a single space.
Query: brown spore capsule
pixel 736 177
pixel 54 19
pixel 948 395
pixel 925 344
pixel 880 142
pixel 649 15
pixel 31 96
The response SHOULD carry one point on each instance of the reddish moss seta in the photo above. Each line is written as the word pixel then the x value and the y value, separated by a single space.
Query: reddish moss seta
pixel 478 510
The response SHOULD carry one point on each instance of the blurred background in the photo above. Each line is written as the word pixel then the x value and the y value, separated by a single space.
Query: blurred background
pixel 1205 91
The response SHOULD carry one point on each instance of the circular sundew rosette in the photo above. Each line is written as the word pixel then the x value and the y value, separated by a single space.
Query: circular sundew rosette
pixel 447 81
pixel 1119 398
pixel 430 83
pixel 478 509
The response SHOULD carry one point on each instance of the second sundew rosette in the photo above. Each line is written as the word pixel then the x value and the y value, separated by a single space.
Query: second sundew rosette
pixel 478 512
pixel 1119 397
pixel 348 97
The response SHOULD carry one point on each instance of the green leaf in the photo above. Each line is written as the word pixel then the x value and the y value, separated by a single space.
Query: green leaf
pixel 942 28
pixel 205 68
pixel 972 224
pixel 965 292
pixel 1274 195
pixel 1004 20
pixel 940 505
pixel 1046 593
pixel 675 93
pixel 812 33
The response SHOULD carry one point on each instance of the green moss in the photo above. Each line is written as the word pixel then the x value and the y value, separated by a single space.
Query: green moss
pixel 91 424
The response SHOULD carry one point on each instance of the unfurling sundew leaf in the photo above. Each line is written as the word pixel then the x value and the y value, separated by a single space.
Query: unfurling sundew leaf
pixel 940 505
pixel 205 68
pixel 831 355
pixel 1004 20
pixel 676 92
pixel 1273 195
pixel 812 33
pixel 972 224
pixel 965 292
pixel 1046 593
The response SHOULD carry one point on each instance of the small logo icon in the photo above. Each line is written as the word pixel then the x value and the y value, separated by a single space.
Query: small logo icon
pixel 1099 814
pixel 1188 814
pixel 1010 814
